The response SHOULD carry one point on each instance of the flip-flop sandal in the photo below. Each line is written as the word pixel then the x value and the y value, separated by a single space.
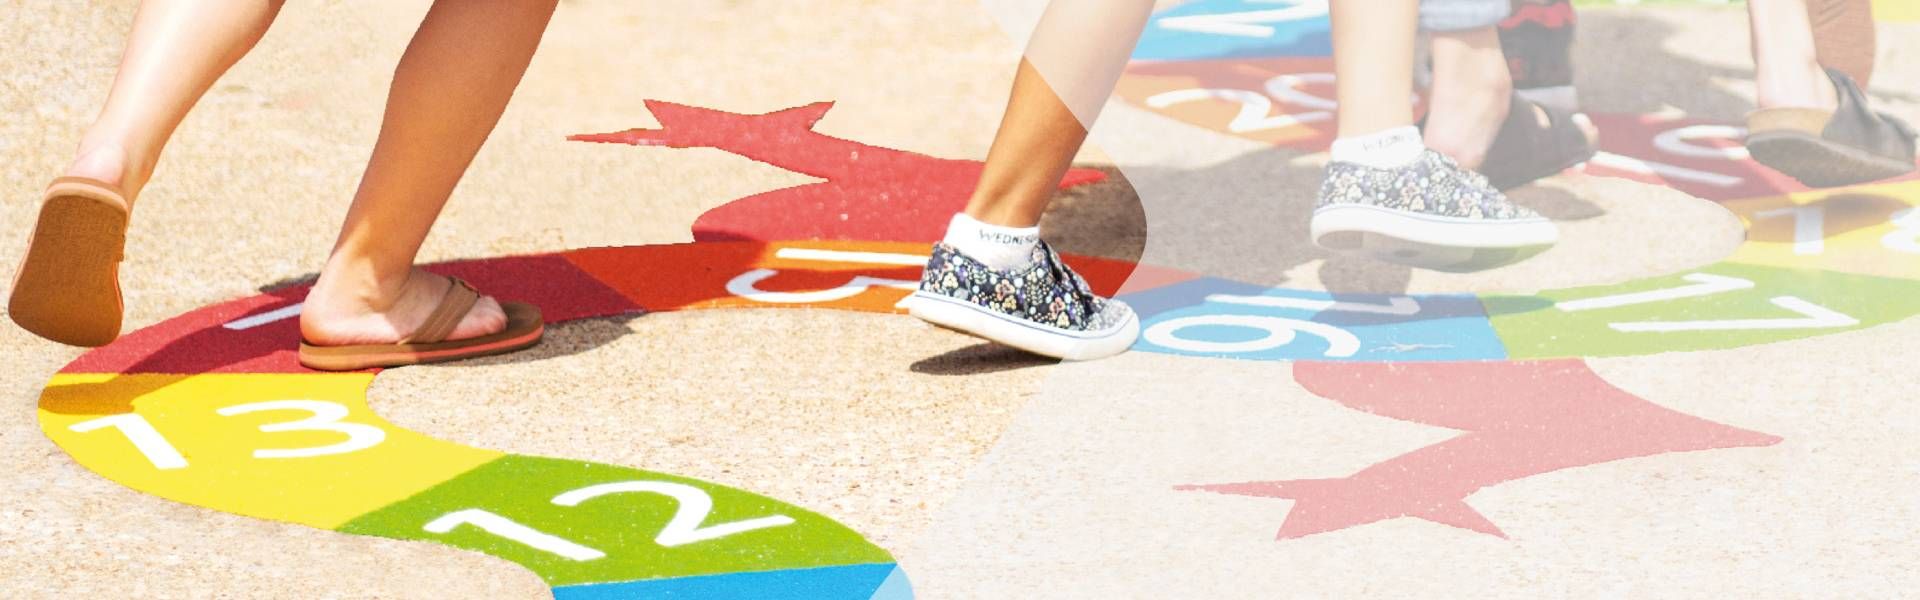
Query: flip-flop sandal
pixel 1851 145
pixel 1524 152
pixel 429 343
pixel 68 287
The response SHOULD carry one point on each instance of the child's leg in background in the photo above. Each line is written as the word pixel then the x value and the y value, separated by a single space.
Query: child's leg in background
pixel 1538 41
pixel 177 49
pixel 67 287
pixel 369 291
pixel 1786 60
pixel 1386 194
pixel 1815 122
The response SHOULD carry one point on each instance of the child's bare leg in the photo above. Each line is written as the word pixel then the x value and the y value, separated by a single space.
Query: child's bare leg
pixel 177 49
pixel 1386 194
pixel 1373 64
pixel 1472 92
pixel 448 92
pixel 1072 62
pixel 1038 139
pixel 991 252
pixel 1788 71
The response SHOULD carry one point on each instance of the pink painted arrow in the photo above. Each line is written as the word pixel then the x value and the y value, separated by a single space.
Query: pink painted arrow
pixel 1521 419
pixel 870 193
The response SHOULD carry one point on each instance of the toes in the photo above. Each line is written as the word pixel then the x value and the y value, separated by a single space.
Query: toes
pixel 485 318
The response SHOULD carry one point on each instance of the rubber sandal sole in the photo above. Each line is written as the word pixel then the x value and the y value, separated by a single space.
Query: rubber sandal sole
pixel 524 330
pixel 1820 163
pixel 68 286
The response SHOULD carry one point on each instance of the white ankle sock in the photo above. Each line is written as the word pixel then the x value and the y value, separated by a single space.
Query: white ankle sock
pixel 1390 149
pixel 993 245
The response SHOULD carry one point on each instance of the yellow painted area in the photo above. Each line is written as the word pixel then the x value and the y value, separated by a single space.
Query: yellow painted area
pixel 210 458
pixel 1867 230
pixel 1896 10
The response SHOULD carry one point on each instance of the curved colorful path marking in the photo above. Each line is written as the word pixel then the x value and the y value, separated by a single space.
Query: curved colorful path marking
pixel 1814 263
pixel 211 408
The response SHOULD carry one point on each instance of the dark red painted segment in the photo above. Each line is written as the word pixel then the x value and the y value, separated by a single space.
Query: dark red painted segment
pixel 198 342
pixel 870 192
pixel 1712 178
pixel 1520 419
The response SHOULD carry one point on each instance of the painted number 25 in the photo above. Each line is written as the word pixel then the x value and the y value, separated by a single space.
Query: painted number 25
pixel 686 527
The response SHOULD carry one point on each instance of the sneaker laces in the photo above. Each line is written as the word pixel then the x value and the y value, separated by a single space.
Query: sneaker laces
pixel 1076 285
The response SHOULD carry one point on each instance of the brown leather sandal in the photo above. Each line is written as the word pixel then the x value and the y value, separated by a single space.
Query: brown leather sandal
pixel 1851 145
pixel 68 287
pixel 429 343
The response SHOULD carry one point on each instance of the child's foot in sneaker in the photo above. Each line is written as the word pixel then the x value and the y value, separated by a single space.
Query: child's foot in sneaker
pixel 1030 301
pixel 1389 197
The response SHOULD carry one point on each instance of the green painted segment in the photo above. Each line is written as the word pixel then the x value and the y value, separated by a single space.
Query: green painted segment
pixel 1534 328
pixel 622 526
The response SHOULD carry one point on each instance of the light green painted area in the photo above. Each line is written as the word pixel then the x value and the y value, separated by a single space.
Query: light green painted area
pixel 1713 312
pixel 615 536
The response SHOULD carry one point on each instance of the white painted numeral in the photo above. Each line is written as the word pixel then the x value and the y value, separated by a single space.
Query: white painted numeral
pixel 1254 108
pixel 1703 285
pixel 1400 306
pixel 144 437
pixel 1660 169
pixel 1252 23
pixel 1905 237
pixel 507 528
pixel 1812 316
pixel 852 256
pixel 686 525
pixel 743 286
pixel 1678 142
pixel 1286 88
pixel 1279 332
pixel 1809 227
pixel 326 417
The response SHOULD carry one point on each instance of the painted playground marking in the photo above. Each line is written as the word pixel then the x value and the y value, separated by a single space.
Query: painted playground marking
pixel 211 408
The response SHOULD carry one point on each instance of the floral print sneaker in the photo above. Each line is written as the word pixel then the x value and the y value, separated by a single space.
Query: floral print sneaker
pixel 1044 308
pixel 1430 214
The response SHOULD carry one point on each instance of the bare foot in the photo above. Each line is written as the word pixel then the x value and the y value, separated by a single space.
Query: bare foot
pixel 1798 88
pixel 1468 134
pixel 345 309
pixel 113 164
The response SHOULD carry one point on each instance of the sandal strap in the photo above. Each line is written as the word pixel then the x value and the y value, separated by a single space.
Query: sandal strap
pixel 453 308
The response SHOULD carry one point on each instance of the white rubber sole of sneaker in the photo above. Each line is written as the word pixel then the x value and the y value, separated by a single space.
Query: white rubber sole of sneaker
pixel 1429 242
pixel 1043 340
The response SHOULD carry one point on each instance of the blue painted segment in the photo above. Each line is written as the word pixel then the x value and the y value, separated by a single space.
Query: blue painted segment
pixel 847 582
pixel 1217 318
pixel 1209 29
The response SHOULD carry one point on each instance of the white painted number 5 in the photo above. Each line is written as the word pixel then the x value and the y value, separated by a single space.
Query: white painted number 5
pixel 326 417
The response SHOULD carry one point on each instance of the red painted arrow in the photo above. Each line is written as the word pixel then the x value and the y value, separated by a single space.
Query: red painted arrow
pixel 1521 419
pixel 870 193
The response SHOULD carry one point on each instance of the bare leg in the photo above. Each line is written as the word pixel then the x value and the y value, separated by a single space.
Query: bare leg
pixel 177 49
pixel 1472 91
pixel 369 291
pixel 1080 47
pixel 1788 71
pixel 1373 63
pixel 1036 144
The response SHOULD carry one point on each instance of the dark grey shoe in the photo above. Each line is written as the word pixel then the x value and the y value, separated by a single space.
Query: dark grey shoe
pixel 1849 146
